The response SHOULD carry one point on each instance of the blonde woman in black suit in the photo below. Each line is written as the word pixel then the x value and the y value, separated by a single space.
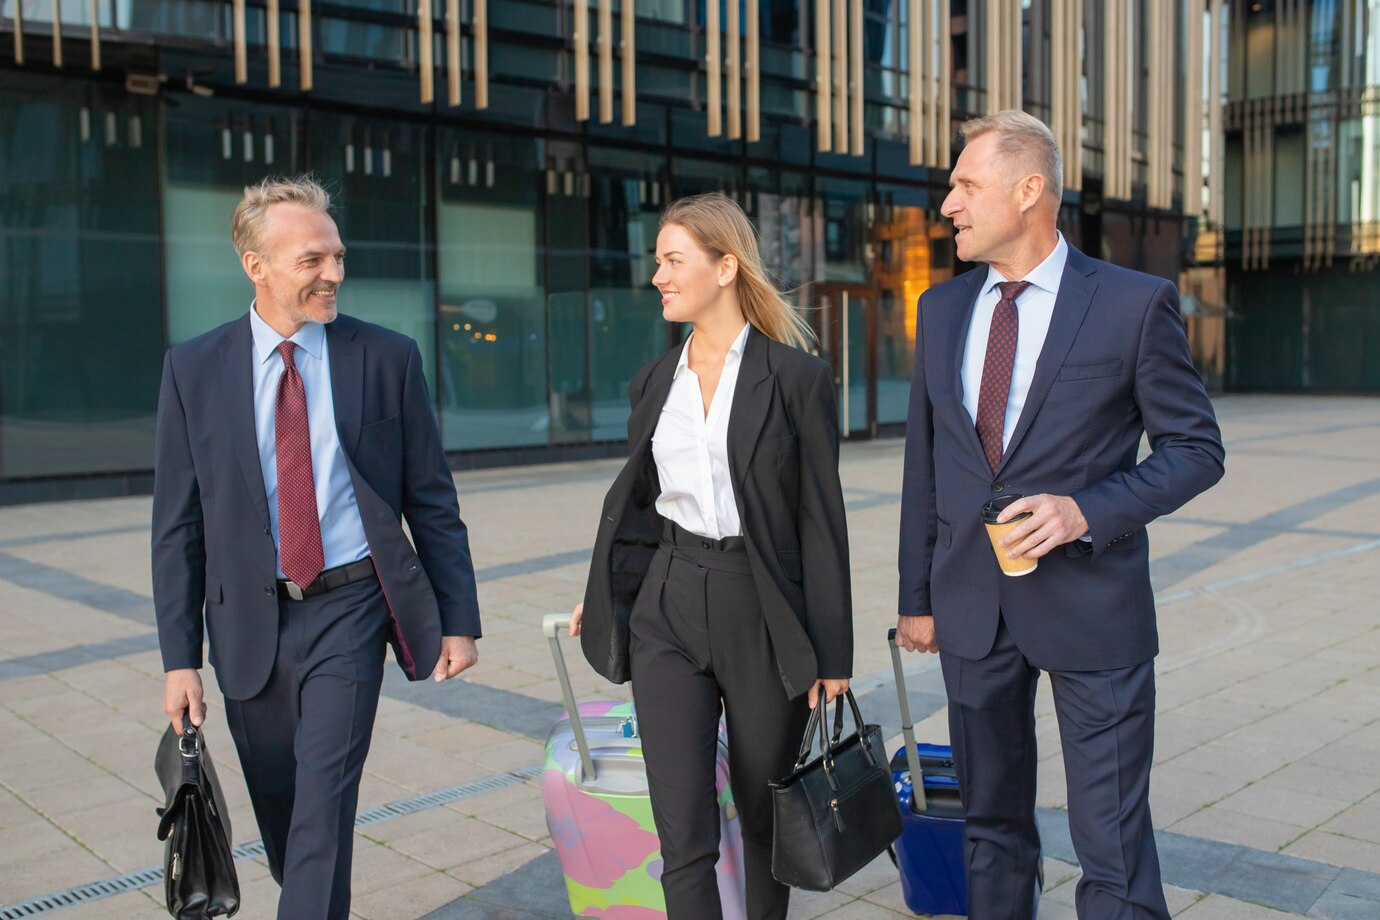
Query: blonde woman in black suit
pixel 720 572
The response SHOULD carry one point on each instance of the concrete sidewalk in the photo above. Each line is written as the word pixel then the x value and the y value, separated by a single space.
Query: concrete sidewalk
pixel 1268 748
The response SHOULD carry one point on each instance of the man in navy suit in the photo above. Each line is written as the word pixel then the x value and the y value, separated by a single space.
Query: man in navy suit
pixel 290 444
pixel 1037 375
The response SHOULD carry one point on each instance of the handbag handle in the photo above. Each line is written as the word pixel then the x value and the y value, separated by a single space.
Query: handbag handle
pixel 826 747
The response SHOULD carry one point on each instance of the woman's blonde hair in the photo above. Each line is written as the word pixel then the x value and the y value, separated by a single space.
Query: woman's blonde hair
pixel 721 228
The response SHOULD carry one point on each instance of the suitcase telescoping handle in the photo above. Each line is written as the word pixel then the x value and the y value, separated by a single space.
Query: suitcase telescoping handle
pixel 917 775
pixel 551 626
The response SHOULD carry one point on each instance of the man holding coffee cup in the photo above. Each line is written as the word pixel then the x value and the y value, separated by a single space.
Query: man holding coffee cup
pixel 1035 378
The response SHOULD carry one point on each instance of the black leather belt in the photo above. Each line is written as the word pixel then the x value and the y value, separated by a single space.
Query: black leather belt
pixel 330 579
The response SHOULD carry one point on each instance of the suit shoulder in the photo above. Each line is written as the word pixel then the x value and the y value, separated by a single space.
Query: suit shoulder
pixel 1128 279
pixel 199 347
pixel 956 286
pixel 639 379
pixel 794 361
pixel 373 333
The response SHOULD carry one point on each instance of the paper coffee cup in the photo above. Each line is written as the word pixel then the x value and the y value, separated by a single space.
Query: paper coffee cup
pixel 990 512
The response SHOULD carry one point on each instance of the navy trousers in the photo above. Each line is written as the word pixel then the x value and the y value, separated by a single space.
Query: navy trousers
pixel 303 739
pixel 1107 729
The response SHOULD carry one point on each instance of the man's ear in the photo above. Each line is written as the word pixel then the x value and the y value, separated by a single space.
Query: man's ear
pixel 728 270
pixel 1032 189
pixel 253 265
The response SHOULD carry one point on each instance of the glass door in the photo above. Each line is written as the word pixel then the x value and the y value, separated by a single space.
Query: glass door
pixel 846 323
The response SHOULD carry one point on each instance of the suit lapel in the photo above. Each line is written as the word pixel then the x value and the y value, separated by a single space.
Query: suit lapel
pixel 642 421
pixel 958 342
pixel 751 402
pixel 1076 289
pixel 347 381
pixel 237 357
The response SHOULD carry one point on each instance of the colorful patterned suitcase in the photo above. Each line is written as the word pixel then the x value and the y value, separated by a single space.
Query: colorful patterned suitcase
pixel 600 816
pixel 929 852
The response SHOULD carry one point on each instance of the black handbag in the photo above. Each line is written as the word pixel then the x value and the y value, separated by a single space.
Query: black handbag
pixel 838 812
pixel 198 866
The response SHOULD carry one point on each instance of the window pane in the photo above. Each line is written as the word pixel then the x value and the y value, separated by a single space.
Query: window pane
pixel 493 324
pixel 81 320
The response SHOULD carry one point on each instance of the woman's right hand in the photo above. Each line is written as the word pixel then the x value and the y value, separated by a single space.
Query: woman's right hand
pixel 576 616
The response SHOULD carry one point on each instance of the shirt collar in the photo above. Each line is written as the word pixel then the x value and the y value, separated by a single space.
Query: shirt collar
pixel 1045 276
pixel 311 338
pixel 735 351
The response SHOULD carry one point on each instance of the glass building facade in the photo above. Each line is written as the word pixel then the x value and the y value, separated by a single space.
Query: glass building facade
pixel 510 235
pixel 1298 232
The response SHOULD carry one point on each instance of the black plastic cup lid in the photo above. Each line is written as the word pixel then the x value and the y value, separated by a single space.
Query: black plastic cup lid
pixel 993 509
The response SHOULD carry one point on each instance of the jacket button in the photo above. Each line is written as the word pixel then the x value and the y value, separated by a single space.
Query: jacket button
pixel 704 544
pixel 268 589
pixel 267 531
pixel 998 486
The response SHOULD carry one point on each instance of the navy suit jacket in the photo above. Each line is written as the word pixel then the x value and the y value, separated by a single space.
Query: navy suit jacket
pixel 212 544
pixel 1115 365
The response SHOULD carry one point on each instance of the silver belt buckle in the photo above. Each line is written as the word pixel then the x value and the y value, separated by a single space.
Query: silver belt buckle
pixel 293 590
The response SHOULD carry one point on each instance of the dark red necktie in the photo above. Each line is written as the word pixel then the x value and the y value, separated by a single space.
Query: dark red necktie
pixel 996 371
pixel 299 530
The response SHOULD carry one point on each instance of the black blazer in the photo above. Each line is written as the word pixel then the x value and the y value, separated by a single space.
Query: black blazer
pixel 212 547
pixel 783 452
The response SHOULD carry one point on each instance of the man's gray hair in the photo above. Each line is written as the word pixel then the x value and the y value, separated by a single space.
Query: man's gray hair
pixel 1025 144
pixel 247 224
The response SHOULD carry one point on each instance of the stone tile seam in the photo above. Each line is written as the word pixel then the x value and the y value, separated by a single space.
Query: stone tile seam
pixel 142 878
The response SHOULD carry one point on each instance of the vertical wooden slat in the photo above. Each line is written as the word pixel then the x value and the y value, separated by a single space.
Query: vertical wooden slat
pixel 605 61
pixel 1073 154
pixel 841 76
pixel 57 34
pixel 304 48
pixel 754 71
pixel 991 26
pixel 629 61
pixel 856 53
pixel 275 44
pixel 237 28
pixel 913 84
pixel 1216 158
pixel 1193 110
pixel 426 66
pixel 19 32
pixel 824 107
pixel 581 39
pixel 481 56
pixel 95 33
pixel 735 68
pixel 713 66
pixel 944 84
pixel 453 52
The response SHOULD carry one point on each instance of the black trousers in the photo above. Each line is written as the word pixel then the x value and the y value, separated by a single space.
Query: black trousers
pixel 1107 729
pixel 302 743
pixel 699 642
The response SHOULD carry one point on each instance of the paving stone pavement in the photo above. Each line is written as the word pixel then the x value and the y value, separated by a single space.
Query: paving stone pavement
pixel 1266 777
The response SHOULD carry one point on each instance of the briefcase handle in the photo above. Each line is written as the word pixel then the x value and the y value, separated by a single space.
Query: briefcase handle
pixel 551 626
pixel 917 775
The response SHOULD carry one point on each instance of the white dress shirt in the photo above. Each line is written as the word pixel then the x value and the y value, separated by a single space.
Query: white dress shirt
pixel 1034 309
pixel 691 449
pixel 342 531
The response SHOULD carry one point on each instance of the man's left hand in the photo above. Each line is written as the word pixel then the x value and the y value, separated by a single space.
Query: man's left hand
pixel 457 654
pixel 1054 520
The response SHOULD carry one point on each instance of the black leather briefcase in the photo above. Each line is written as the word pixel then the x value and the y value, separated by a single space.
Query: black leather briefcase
pixel 198 866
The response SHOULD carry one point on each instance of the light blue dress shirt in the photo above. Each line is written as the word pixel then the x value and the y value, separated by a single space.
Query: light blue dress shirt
pixel 1034 310
pixel 342 531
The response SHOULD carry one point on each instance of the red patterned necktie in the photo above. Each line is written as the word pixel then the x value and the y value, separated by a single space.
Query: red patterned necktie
pixel 299 530
pixel 996 371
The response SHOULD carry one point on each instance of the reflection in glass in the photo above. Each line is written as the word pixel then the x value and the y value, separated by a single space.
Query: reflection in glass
pixel 492 328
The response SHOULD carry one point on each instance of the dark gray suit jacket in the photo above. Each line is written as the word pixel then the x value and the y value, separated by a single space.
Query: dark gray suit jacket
pixel 1115 365
pixel 783 452
pixel 212 544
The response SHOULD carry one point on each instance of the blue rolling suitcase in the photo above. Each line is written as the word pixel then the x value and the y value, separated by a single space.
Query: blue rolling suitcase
pixel 929 852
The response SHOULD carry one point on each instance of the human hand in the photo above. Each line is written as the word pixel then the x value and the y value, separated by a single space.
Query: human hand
pixel 183 694
pixel 916 634
pixel 1054 520
pixel 832 688
pixel 577 615
pixel 458 653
